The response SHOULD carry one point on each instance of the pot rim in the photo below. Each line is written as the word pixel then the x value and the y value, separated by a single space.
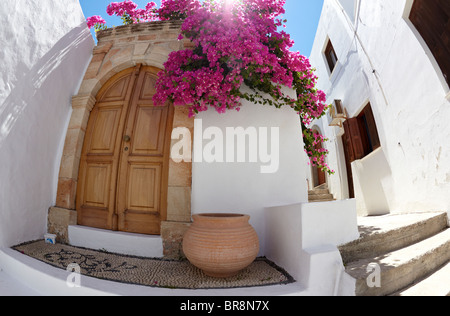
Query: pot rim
pixel 220 215
pixel 225 220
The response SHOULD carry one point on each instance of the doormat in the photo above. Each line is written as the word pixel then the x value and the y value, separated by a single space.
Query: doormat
pixel 151 272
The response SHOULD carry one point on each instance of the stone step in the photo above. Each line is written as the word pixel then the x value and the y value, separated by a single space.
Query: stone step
pixel 436 284
pixel 387 233
pixel 320 197
pixel 318 192
pixel 401 268
pixel 116 242
pixel 322 186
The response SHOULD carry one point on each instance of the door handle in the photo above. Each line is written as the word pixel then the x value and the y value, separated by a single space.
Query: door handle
pixel 126 138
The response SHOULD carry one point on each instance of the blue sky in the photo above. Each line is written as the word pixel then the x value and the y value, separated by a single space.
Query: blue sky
pixel 302 15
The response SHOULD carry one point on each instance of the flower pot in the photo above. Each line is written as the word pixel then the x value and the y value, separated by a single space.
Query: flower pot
pixel 221 244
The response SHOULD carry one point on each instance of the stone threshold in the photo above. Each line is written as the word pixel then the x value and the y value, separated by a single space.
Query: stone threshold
pixel 116 242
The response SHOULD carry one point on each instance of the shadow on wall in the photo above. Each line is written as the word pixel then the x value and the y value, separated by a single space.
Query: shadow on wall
pixel 30 81
pixel 33 119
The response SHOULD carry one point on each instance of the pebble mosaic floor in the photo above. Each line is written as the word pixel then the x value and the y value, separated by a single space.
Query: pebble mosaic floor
pixel 150 272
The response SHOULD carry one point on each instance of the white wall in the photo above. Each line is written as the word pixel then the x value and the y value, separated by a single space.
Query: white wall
pixel 225 187
pixel 46 47
pixel 303 239
pixel 383 60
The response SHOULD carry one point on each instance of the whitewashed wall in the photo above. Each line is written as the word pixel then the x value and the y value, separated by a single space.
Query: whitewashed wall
pixel 45 49
pixel 382 59
pixel 303 239
pixel 241 187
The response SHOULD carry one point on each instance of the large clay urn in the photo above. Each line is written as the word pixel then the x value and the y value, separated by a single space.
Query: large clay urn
pixel 221 244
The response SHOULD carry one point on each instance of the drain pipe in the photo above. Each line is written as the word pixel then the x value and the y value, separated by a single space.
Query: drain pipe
pixel 337 283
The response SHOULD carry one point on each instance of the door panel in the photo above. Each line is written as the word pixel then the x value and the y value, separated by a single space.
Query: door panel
pixel 105 131
pixel 144 187
pixel 118 91
pixel 149 132
pixel 149 88
pixel 97 185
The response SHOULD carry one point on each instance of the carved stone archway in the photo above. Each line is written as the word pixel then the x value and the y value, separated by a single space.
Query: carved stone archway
pixel 118 49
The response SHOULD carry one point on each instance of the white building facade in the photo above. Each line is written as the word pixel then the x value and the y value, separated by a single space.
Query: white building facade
pixel 384 65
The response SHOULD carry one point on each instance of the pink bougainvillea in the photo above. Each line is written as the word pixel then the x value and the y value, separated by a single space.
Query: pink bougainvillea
pixel 95 21
pixel 239 41
pixel 129 12
pixel 236 43
pixel 177 9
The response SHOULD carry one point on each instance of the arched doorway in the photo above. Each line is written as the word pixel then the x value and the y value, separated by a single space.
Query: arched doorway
pixel 123 176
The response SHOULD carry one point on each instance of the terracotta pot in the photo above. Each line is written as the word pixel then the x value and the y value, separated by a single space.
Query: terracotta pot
pixel 221 244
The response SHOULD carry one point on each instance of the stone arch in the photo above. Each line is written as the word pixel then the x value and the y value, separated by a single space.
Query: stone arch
pixel 118 49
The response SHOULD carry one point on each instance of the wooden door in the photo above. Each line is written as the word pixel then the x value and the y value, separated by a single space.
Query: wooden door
pixel 143 169
pixel 124 164
pixel 432 19
pixel 349 158
pixel 321 176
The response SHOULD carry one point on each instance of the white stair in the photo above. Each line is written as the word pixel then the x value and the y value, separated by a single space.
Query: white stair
pixel 436 284
pixel 320 194
pixel 409 259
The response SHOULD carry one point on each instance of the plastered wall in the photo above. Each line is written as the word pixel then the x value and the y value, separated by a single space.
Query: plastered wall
pixel 45 49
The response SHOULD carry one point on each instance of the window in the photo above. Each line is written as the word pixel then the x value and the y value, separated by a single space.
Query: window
pixel 339 108
pixel 361 135
pixel 431 19
pixel 337 113
pixel 331 56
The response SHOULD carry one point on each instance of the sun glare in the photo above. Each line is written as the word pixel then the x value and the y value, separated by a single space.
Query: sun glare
pixel 229 3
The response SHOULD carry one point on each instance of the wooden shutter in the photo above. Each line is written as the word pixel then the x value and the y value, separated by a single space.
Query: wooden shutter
pixel 431 19
pixel 372 128
pixel 331 56
pixel 349 158
pixel 354 132
pixel 349 152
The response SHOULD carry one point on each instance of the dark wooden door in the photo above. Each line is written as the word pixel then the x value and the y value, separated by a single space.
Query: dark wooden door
pixel 321 176
pixel 432 19
pixel 349 157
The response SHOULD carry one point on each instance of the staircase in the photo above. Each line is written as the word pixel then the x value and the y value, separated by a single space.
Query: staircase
pixel 320 194
pixel 411 252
